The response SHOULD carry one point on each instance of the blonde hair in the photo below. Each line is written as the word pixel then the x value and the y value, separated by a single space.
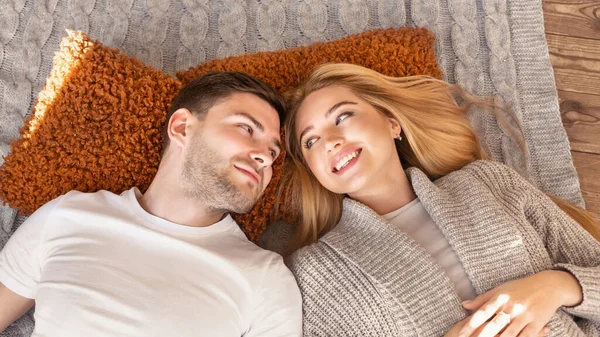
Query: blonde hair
pixel 438 139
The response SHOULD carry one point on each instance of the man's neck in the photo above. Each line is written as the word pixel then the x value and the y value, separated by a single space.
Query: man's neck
pixel 165 200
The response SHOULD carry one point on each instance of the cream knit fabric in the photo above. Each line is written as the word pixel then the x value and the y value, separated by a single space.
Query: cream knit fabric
pixel 365 279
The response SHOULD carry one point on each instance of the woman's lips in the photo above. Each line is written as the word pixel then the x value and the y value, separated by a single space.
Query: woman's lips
pixel 340 157
pixel 348 165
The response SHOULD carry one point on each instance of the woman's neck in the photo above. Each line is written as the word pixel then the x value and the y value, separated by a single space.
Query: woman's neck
pixel 388 194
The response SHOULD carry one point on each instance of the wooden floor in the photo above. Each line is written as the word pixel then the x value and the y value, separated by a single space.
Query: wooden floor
pixel 573 35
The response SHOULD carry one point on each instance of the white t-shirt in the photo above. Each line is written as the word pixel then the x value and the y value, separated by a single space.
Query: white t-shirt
pixel 414 220
pixel 97 264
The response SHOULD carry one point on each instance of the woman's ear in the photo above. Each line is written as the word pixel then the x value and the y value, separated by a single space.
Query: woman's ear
pixel 178 126
pixel 395 127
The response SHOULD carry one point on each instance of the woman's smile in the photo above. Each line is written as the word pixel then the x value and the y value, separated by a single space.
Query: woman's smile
pixel 345 160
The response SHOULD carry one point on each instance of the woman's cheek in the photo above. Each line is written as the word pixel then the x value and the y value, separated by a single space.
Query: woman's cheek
pixel 314 166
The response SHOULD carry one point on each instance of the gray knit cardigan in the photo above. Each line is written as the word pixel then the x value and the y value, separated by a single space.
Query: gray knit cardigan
pixel 365 278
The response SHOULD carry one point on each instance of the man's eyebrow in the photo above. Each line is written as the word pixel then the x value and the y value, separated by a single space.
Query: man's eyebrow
pixel 259 126
pixel 329 112
pixel 252 119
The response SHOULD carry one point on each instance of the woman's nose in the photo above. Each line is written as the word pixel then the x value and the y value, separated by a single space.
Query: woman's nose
pixel 333 142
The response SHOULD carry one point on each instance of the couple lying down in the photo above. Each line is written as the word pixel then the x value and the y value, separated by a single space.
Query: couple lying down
pixel 405 228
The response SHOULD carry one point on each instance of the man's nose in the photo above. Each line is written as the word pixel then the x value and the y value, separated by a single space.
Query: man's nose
pixel 262 157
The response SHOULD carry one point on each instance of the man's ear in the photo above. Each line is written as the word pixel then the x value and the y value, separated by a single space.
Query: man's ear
pixel 177 129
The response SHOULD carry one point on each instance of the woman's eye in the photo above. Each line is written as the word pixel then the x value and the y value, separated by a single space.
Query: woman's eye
pixel 343 116
pixel 246 127
pixel 273 154
pixel 309 143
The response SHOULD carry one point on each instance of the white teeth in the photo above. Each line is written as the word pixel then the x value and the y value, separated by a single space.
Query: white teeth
pixel 344 161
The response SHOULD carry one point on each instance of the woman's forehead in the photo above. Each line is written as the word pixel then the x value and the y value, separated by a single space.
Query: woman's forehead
pixel 320 101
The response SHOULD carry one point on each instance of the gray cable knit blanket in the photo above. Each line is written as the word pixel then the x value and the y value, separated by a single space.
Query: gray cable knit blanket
pixel 490 47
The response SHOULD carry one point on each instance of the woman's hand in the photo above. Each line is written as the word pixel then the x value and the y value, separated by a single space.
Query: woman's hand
pixel 521 307
pixel 456 329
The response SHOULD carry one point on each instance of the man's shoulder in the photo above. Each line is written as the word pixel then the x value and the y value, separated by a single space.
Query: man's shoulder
pixel 91 201
pixel 100 195
pixel 268 267
pixel 257 252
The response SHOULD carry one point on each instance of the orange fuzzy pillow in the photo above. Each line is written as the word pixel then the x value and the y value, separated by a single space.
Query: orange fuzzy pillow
pixel 98 121
pixel 395 52
pixel 97 124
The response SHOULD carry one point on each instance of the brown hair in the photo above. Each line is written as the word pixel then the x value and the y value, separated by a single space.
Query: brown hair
pixel 204 92
pixel 432 122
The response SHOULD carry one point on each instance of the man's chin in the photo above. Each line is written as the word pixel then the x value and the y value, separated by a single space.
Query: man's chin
pixel 244 201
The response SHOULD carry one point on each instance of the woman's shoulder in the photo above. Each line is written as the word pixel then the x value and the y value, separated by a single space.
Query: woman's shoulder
pixel 313 258
pixel 308 254
pixel 497 174
pixel 489 165
pixel 480 174
pixel 489 172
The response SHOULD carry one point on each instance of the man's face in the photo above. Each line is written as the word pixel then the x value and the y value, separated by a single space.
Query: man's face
pixel 228 160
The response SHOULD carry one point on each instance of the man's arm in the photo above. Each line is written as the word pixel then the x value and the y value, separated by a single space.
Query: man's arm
pixel 21 262
pixel 12 306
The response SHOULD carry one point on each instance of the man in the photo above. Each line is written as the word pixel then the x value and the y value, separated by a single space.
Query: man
pixel 170 262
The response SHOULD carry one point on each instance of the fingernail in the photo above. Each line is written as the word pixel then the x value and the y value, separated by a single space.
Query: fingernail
pixel 465 303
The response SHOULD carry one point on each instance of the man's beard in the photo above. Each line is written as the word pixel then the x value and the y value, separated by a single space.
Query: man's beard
pixel 207 179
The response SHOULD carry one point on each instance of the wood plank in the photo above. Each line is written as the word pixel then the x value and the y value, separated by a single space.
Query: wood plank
pixel 588 170
pixel 576 63
pixel 580 115
pixel 572 17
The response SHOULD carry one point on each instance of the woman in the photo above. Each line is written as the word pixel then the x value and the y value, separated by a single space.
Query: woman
pixel 390 252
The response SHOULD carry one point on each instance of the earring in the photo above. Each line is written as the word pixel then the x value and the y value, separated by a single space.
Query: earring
pixel 399 137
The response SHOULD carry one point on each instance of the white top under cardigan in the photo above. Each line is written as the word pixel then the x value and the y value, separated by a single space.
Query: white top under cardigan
pixel 414 220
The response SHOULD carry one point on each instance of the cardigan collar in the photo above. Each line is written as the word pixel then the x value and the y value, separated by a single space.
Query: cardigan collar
pixel 405 269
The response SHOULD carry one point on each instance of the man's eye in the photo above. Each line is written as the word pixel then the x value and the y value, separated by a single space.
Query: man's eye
pixel 246 127
pixel 343 116
pixel 309 143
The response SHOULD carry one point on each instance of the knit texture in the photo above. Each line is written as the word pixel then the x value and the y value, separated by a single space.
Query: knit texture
pixel 487 46
pixel 367 278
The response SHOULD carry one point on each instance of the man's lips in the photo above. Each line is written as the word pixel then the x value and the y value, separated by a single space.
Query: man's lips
pixel 250 173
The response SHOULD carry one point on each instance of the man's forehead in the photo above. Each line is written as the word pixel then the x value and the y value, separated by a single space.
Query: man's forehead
pixel 248 105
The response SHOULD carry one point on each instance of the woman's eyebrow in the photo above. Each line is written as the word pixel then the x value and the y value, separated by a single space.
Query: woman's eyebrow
pixel 337 106
pixel 327 114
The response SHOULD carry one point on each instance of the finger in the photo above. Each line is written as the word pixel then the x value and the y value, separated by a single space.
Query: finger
pixel 529 331
pixel 499 322
pixel 514 328
pixel 482 315
pixel 478 301
pixel 479 329
pixel 545 331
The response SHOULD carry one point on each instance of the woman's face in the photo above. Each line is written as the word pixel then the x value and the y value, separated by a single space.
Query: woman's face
pixel 348 144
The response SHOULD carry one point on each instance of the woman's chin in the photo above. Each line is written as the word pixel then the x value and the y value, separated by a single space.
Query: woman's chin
pixel 354 186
